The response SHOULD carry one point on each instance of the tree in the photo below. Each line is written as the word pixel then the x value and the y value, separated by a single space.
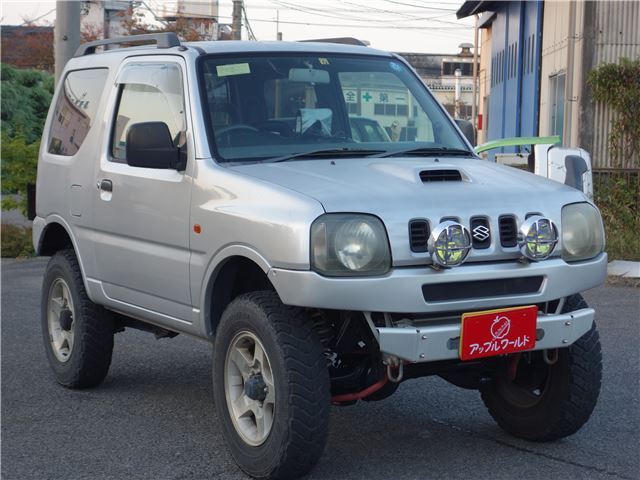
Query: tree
pixel 618 86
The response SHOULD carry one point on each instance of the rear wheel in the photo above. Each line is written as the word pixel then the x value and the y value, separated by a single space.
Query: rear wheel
pixel 271 387
pixel 78 334
pixel 545 402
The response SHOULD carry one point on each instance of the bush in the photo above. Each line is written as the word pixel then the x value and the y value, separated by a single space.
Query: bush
pixel 19 165
pixel 16 241
pixel 618 203
pixel 26 95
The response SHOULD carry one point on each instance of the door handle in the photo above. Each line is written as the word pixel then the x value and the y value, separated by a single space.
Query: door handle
pixel 105 185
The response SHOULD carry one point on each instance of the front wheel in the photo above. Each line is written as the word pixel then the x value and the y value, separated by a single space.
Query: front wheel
pixel 545 402
pixel 271 387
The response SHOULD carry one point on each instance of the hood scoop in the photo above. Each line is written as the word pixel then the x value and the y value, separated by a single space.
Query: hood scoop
pixel 441 175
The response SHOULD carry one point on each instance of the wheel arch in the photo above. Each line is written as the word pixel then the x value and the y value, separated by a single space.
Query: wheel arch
pixel 239 270
pixel 54 237
pixel 54 234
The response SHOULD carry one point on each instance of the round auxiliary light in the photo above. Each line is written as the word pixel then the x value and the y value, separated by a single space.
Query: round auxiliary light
pixel 537 238
pixel 449 244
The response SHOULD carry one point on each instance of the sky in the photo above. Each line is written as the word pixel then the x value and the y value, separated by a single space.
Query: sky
pixel 395 25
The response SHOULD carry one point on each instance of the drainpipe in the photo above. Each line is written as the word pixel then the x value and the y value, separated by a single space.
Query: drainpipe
pixel 568 87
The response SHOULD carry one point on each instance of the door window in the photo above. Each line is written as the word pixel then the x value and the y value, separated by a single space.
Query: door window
pixel 148 93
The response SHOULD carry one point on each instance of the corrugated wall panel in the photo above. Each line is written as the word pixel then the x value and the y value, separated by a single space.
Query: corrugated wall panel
pixel 617 34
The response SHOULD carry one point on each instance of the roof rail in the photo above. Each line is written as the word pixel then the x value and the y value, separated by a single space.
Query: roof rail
pixel 342 40
pixel 163 40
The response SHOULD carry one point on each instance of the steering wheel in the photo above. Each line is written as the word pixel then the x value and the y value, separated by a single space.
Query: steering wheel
pixel 224 134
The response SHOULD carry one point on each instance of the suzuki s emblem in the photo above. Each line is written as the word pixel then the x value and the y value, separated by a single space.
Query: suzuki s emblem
pixel 500 327
pixel 480 233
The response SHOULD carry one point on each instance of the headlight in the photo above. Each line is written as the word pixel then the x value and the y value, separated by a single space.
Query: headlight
pixel 537 238
pixel 345 244
pixel 582 232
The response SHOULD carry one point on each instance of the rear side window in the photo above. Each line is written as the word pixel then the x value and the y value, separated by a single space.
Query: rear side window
pixel 75 110
pixel 149 93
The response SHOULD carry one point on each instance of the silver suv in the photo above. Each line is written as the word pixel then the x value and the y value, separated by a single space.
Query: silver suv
pixel 312 211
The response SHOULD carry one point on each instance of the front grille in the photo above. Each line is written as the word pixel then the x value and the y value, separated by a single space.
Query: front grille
pixel 418 235
pixel 440 176
pixel 480 233
pixel 440 292
pixel 508 231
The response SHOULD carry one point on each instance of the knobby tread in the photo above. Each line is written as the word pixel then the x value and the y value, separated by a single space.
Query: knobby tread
pixel 92 350
pixel 581 381
pixel 307 378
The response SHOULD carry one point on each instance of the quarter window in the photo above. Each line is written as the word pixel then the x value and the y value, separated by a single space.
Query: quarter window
pixel 75 110
pixel 149 93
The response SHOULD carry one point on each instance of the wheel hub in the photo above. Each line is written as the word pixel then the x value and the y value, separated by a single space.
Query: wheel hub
pixel 256 388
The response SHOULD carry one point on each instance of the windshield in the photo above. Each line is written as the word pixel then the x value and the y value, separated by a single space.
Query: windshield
pixel 264 108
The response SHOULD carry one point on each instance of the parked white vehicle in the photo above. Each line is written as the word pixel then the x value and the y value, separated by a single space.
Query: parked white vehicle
pixel 176 195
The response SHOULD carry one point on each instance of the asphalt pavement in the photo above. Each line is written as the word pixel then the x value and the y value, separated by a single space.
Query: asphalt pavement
pixel 153 417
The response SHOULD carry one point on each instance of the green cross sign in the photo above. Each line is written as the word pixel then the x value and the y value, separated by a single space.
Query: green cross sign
pixel 367 96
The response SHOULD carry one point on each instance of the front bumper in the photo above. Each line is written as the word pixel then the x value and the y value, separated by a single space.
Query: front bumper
pixel 440 342
pixel 403 289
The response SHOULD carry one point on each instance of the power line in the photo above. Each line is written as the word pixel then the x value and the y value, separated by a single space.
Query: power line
pixel 340 25
pixel 422 6
pixel 250 33
pixel 322 13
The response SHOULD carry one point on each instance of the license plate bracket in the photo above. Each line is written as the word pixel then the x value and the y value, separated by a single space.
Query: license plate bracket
pixel 497 332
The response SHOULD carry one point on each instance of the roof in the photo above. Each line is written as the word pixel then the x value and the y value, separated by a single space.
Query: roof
pixel 471 7
pixel 239 46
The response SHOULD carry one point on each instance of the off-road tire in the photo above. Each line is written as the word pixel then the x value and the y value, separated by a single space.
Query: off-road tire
pixel 566 402
pixel 301 416
pixel 90 357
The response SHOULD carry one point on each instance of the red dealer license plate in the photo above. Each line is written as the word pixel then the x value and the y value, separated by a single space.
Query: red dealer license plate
pixel 498 332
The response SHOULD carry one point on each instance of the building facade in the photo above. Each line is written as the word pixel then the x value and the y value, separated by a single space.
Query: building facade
pixel 535 60
pixel 438 71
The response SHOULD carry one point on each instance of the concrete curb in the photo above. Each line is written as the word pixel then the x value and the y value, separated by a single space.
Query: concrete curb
pixel 623 268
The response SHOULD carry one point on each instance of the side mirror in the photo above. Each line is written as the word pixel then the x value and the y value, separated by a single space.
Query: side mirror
pixel 149 145
pixel 467 129
pixel 576 168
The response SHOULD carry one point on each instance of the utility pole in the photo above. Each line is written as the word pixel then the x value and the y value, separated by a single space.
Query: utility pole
pixel 474 102
pixel 236 25
pixel 278 32
pixel 66 37
pixel 456 105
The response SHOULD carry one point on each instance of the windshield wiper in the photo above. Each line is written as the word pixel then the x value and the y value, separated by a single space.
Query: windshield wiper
pixel 330 152
pixel 428 151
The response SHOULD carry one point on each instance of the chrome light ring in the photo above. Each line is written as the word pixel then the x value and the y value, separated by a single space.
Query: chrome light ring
pixel 449 244
pixel 537 238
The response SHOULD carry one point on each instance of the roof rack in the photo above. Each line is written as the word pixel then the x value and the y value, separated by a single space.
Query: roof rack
pixel 163 40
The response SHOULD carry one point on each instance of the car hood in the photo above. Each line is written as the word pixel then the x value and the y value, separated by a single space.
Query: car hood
pixel 392 189
pixel 388 185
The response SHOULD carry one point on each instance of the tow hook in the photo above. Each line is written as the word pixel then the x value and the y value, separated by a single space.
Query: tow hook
pixel 392 362
pixel 398 377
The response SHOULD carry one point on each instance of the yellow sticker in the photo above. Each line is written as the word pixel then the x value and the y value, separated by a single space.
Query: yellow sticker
pixel 323 61
pixel 233 69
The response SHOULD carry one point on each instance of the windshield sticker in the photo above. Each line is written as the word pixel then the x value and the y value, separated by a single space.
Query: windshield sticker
pixel 395 66
pixel 323 61
pixel 233 69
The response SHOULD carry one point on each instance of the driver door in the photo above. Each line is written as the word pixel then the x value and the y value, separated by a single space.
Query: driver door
pixel 141 215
